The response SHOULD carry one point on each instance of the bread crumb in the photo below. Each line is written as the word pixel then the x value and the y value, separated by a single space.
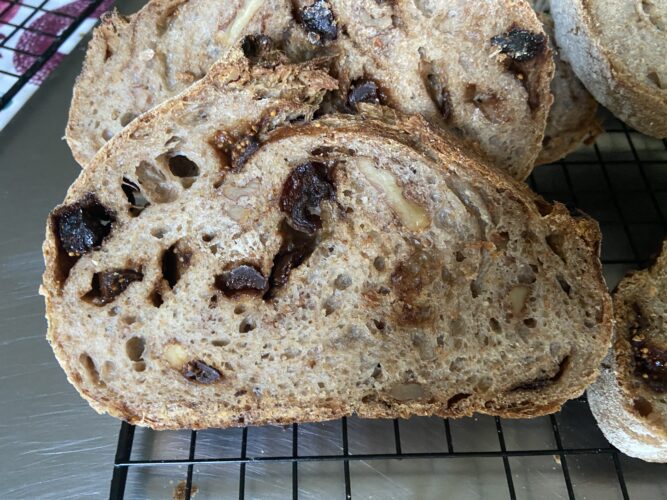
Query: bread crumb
pixel 179 490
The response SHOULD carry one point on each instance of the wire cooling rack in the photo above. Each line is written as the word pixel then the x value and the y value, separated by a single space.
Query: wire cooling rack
pixel 31 31
pixel 621 180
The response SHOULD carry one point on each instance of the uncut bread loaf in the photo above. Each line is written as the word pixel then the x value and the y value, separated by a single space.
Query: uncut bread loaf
pixel 209 270
pixel 573 115
pixel 482 69
pixel 617 49
pixel 629 400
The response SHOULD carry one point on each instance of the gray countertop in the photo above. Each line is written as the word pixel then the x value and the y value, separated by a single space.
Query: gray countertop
pixel 52 445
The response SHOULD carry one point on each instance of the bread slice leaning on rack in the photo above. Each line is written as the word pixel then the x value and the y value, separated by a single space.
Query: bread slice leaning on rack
pixel 217 265
pixel 629 400
pixel 573 115
pixel 617 49
pixel 480 68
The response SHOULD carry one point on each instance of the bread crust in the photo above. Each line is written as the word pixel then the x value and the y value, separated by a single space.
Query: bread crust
pixel 395 132
pixel 506 117
pixel 628 412
pixel 573 117
pixel 605 73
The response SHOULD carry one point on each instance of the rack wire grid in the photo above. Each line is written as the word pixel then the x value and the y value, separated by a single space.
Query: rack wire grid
pixel 621 180
pixel 19 18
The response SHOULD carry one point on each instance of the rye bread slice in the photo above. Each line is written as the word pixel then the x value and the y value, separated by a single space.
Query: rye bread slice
pixel 482 69
pixel 617 49
pixel 629 400
pixel 573 115
pixel 208 270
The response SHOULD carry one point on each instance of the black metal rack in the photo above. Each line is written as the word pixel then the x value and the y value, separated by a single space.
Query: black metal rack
pixel 622 181
pixel 35 20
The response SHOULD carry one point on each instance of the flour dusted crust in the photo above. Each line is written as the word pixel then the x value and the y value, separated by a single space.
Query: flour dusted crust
pixel 478 68
pixel 573 116
pixel 630 411
pixel 226 261
pixel 617 49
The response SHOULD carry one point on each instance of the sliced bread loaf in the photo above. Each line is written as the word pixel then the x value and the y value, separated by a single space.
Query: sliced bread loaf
pixel 213 268
pixel 629 400
pixel 617 49
pixel 573 115
pixel 480 68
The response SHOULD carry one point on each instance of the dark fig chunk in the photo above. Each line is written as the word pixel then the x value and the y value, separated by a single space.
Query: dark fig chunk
pixel 295 249
pixel 241 279
pixel 82 226
pixel 519 44
pixel 108 285
pixel 305 189
pixel 364 91
pixel 319 20
pixel 233 151
pixel 650 358
pixel 198 371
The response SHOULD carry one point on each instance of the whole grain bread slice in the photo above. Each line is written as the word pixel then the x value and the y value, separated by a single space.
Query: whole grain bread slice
pixel 573 115
pixel 217 265
pixel 629 400
pixel 617 49
pixel 482 69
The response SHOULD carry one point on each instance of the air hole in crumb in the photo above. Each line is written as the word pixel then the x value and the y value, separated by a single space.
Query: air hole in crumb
pixel 240 309
pixel 544 207
pixel 174 261
pixel 139 366
pixel 158 233
pixel 184 168
pixel 380 263
pixel 556 242
pixel 220 342
pixel 379 324
pixel 643 406
pixel 134 348
pixel 377 372
pixel 564 285
pixel 129 320
pixel 126 118
pixel 474 289
pixel 460 257
pixel 218 183
pixel 320 385
pixel 653 77
pixel 207 238
pixel 156 298
pixel 90 369
pixel 247 325
pixel 135 197
pixel 530 322
pixel 495 325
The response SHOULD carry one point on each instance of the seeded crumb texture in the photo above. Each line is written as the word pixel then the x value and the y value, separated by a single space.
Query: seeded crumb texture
pixel 629 400
pixel 617 49
pixel 573 116
pixel 206 270
pixel 482 69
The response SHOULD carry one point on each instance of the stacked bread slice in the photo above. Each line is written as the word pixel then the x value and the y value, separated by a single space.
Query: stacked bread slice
pixel 228 259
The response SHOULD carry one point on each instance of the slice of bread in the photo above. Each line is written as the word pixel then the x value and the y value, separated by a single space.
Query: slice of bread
pixel 210 270
pixel 482 69
pixel 573 116
pixel 629 400
pixel 617 49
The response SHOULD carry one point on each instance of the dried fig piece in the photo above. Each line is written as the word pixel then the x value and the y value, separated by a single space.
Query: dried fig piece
pixel 243 278
pixel 305 189
pixel 519 44
pixel 650 358
pixel 108 285
pixel 198 371
pixel 233 151
pixel 82 226
pixel 319 21
pixel 364 91
pixel 256 46
pixel 295 249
